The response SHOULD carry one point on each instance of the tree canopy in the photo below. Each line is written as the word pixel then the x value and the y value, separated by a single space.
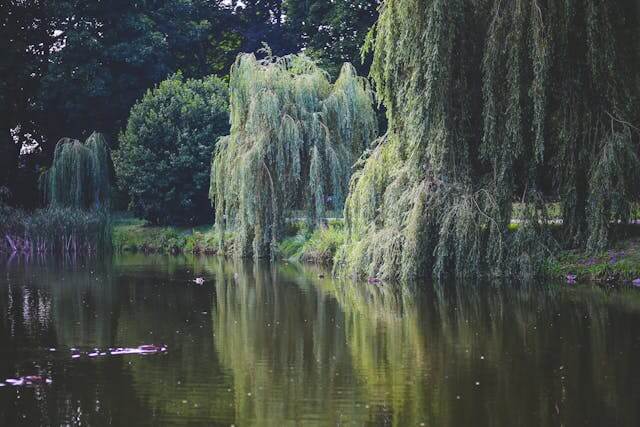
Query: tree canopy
pixel 71 67
pixel 294 137
pixel 24 42
pixel 162 162
pixel 332 32
pixel 491 102
pixel 113 52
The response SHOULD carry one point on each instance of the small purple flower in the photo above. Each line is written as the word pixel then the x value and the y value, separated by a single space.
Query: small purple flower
pixel 636 282
pixel 571 279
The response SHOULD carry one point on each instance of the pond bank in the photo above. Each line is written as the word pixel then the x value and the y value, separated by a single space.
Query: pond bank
pixel 618 265
pixel 301 245
pixel 135 235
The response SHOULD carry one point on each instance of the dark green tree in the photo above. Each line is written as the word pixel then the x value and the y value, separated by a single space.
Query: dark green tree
pixel 163 161
pixel 332 32
pixel 26 36
pixel 261 22
pixel 112 52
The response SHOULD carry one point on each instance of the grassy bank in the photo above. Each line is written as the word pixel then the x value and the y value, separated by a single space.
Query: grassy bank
pixel 314 247
pixel 136 235
pixel 620 264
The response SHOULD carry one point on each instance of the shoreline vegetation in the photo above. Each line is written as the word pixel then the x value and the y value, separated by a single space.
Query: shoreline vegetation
pixel 615 266
pixel 77 193
pixel 72 231
pixel 54 231
pixel 137 235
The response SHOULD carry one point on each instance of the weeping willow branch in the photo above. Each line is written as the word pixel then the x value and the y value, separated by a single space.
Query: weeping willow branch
pixel 79 176
pixel 294 137
pixel 489 102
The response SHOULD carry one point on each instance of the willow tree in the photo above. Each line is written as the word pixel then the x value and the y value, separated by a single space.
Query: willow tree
pixel 491 102
pixel 80 175
pixel 294 137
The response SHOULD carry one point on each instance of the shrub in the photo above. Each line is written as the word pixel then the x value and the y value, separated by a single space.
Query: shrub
pixel 163 161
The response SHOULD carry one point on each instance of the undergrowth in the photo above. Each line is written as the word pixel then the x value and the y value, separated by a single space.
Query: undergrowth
pixel 619 264
pixel 314 247
pixel 135 235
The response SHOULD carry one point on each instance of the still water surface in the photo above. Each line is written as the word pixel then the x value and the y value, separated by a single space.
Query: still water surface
pixel 261 345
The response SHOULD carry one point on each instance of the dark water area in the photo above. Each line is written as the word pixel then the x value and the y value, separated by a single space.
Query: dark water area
pixel 276 345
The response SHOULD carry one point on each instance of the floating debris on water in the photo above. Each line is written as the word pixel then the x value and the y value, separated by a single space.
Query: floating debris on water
pixel 571 279
pixel 29 380
pixel 636 282
pixel 199 280
pixel 119 351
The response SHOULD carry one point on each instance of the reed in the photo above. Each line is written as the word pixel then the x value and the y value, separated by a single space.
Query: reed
pixel 54 230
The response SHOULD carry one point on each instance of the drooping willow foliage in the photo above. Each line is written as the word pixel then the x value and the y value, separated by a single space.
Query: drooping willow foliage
pixel 79 176
pixel 492 102
pixel 294 138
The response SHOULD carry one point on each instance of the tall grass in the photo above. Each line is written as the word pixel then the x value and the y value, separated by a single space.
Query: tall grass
pixel 54 230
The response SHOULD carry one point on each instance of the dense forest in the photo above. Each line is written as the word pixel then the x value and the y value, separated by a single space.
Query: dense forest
pixel 394 140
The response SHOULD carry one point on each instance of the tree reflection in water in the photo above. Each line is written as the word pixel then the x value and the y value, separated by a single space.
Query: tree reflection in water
pixel 449 354
pixel 275 345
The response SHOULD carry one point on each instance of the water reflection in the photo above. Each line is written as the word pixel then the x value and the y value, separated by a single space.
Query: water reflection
pixel 453 355
pixel 387 349
pixel 276 345
pixel 285 348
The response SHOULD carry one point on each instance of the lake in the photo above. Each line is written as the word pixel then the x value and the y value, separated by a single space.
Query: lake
pixel 279 345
